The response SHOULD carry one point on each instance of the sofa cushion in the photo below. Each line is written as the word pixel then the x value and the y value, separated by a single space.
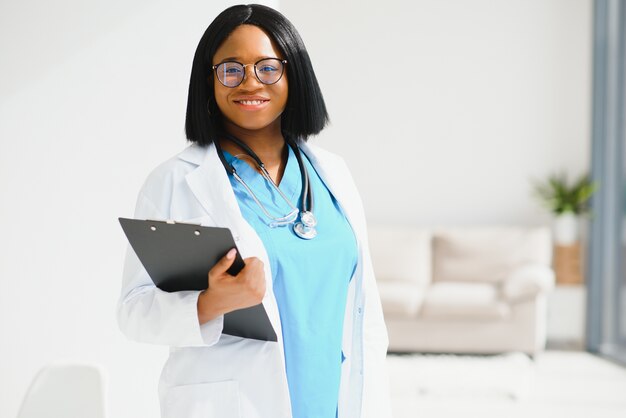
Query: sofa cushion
pixel 401 253
pixel 464 300
pixel 487 254
pixel 400 298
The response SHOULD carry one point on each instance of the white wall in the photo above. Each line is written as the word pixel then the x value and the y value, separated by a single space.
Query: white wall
pixel 481 97
pixel 92 97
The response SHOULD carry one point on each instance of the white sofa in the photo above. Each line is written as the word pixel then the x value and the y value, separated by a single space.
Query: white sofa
pixel 463 289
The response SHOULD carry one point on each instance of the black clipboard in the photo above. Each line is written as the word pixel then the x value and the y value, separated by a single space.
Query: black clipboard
pixel 178 256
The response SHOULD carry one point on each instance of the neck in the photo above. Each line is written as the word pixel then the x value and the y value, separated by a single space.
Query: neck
pixel 268 143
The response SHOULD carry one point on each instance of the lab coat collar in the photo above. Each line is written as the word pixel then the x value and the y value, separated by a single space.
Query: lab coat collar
pixel 210 184
pixel 210 180
pixel 194 154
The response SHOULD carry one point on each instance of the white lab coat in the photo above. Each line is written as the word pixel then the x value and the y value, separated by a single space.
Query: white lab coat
pixel 210 374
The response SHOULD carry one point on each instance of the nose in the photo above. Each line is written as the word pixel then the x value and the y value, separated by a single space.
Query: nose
pixel 249 75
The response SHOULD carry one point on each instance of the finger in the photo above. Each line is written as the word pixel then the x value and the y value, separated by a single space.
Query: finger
pixel 253 270
pixel 224 263
pixel 253 262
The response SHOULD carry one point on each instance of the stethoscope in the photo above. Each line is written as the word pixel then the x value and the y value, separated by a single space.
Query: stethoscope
pixel 305 228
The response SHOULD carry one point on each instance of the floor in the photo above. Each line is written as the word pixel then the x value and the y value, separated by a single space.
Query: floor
pixel 568 384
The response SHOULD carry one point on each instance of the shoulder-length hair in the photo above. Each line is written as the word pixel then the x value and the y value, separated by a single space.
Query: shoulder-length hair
pixel 305 112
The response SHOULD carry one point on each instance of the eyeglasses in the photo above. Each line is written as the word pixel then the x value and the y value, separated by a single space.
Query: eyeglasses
pixel 267 71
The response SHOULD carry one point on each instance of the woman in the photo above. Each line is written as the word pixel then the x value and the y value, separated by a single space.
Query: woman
pixel 297 218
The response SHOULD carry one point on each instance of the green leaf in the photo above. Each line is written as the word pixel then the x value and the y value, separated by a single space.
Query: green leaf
pixel 556 194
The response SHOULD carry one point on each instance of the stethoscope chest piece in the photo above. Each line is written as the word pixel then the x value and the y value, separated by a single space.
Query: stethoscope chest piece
pixel 308 219
pixel 303 231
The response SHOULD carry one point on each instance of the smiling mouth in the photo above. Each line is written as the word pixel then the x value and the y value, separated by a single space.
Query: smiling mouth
pixel 251 102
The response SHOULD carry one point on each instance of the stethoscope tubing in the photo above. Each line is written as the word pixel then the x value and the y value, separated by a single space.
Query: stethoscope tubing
pixel 305 228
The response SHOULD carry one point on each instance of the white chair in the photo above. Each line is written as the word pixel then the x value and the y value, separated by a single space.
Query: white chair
pixel 66 390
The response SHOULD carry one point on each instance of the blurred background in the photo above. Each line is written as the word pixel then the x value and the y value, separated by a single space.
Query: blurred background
pixel 487 136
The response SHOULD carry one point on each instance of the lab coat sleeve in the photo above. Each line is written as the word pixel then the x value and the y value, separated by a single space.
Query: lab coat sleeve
pixel 148 314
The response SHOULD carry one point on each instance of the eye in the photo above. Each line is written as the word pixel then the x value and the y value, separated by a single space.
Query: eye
pixel 267 68
pixel 232 70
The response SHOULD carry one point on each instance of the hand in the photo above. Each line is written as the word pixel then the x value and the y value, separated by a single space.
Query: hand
pixel 228 293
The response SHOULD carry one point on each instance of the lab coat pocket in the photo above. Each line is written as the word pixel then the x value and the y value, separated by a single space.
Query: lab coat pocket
pixel 203 400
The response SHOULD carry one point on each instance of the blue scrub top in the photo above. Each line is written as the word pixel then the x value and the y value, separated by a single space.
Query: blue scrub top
pixel 310 281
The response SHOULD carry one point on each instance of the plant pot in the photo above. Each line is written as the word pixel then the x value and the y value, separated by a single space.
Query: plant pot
pixel 565 228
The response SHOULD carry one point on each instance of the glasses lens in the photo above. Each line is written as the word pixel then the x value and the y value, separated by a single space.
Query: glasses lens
pixel 269 70
pixel 230 74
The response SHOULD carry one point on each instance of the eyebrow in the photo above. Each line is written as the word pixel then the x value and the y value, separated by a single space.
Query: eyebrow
pixel 237 58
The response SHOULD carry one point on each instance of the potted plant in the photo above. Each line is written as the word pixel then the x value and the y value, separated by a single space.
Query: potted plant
pixel 566 202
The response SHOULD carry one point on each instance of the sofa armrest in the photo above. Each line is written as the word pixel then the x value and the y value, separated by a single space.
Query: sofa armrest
pixel 401 299
pixel 526 282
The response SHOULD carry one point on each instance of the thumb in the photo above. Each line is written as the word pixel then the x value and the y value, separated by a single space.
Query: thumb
pixel 224 263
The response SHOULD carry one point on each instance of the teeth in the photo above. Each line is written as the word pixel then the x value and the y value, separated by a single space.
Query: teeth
pixel 251 102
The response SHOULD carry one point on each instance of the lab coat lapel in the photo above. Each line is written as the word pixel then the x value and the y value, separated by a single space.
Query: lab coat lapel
pixel 209 183
pixel 337 178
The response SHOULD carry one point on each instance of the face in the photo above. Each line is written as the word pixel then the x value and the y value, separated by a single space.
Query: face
pixel 248 44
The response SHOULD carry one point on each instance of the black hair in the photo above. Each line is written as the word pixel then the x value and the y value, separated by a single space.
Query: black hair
pixel 305 112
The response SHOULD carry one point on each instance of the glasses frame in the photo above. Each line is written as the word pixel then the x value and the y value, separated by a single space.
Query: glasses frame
pixel 283 62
